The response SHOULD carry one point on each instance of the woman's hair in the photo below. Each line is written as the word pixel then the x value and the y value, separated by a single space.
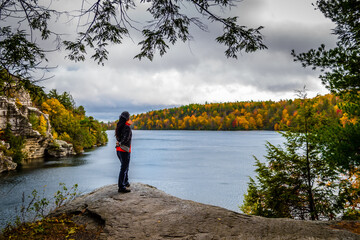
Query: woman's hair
pixel 120 125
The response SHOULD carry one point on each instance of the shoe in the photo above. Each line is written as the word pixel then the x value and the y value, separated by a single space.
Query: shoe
pixel 127 185
pixel 124 190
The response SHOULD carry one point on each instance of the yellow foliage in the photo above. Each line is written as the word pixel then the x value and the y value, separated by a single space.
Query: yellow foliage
pixel 65 137
pixel 166 122
pixel 259 122
pixel 55 134
pixel 46 108
pixel 158 124
pixel 43 125
pixel 242 122
pixel 18 103
pixel 252 123
pixel 344 119
pixel 53 106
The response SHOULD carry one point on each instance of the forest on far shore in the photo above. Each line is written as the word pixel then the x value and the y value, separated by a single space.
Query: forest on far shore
pixel 251 115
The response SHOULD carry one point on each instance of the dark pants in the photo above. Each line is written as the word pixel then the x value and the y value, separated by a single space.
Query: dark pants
pixel 124 158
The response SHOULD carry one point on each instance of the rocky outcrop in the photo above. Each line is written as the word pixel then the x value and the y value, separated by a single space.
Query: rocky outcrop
pixel 16 116
pixel 60 148
pixel 148 213
pixel 16 112
pixel 6 163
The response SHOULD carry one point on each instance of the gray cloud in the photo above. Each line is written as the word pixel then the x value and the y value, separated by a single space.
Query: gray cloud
pixel 198 71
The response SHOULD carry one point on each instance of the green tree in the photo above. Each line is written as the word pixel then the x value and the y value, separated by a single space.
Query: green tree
pixel 16 144
pixel 18 55
pixel 296 181
pixel 341 74
pixel 65 99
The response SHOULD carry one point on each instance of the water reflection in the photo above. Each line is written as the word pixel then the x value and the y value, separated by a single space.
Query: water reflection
pixel 53 162
pixel 48 162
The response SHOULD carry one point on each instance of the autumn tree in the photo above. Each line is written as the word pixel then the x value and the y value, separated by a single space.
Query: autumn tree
pixel 234 116
pixel 71 125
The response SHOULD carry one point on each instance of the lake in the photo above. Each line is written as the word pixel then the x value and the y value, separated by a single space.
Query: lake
pixel 211 167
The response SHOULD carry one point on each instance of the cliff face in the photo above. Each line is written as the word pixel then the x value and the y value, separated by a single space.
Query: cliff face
pixel 16 111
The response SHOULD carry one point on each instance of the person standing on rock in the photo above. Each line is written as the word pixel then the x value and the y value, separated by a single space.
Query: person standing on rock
pixel 123 136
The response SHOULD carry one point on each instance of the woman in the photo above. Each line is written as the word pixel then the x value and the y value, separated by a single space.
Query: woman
pixel 123 149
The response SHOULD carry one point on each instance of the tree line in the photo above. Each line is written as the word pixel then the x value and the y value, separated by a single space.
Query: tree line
pixel 261 115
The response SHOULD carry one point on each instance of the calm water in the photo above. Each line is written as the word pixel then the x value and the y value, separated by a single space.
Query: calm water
pixel 205 166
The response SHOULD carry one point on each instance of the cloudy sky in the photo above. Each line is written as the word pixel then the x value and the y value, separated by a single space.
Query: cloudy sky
pixel 198 71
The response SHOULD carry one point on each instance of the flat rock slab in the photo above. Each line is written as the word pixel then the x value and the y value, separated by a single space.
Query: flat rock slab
pixel 148 213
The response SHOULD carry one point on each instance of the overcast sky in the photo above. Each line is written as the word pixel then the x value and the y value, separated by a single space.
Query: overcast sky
pixel 198 71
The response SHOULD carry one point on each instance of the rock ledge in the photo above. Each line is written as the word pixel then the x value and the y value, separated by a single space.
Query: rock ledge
pixel 148 213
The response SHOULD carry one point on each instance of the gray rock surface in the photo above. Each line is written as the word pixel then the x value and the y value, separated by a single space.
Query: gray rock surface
pixel 16 116
pixel 6 163
pixel 148 213
pixel 60 148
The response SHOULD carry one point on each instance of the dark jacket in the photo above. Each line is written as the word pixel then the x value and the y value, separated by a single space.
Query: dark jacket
pixel 124 136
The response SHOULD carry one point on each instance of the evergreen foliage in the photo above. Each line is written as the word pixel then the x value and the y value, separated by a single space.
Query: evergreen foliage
pixel 340 68
pixel 65 98
pixel 16 144
pixel 297 181
pixel 328 164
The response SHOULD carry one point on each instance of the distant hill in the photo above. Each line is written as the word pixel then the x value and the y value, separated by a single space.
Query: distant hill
pixel 262 115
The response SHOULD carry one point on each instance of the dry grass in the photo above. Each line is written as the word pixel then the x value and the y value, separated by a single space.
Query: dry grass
pixel 50 228
pixel 352 226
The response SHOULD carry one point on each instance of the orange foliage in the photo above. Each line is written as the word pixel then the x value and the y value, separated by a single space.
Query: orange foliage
pixel 266 115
